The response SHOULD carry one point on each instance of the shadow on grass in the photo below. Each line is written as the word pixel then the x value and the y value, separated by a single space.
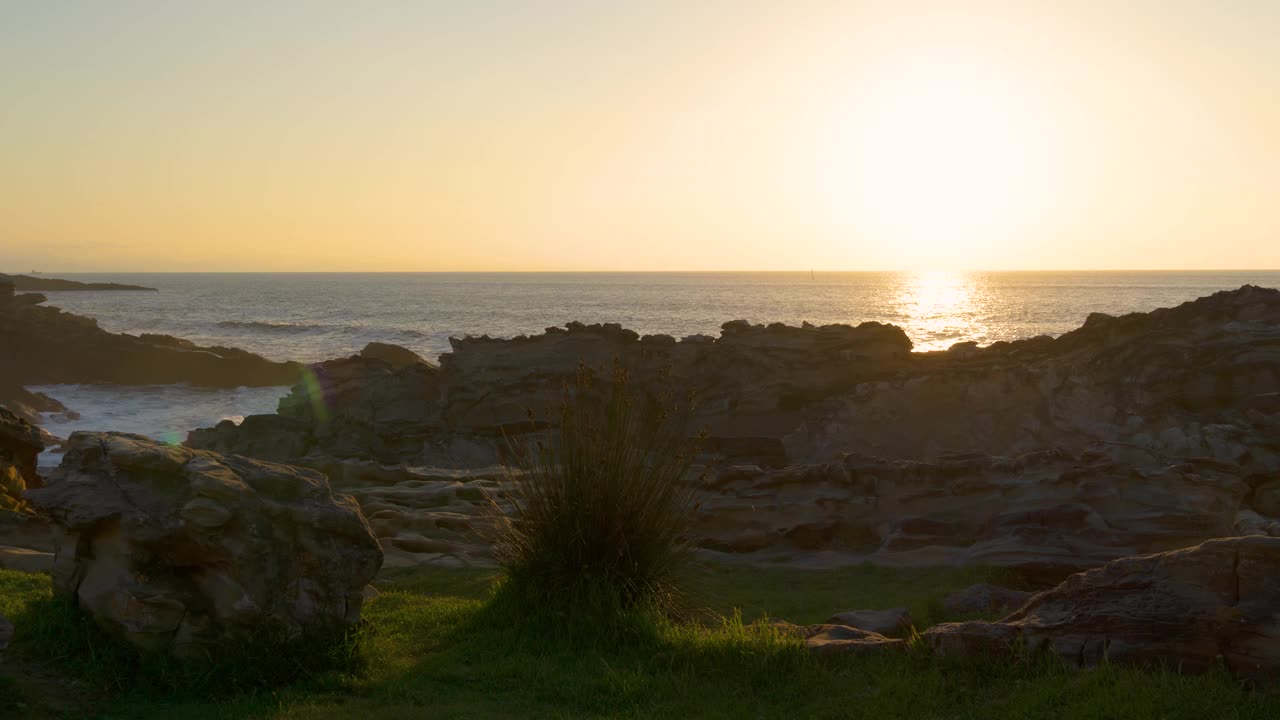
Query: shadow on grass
pixel 62 640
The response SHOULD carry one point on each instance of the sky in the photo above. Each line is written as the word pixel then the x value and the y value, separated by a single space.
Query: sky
pixel 655 135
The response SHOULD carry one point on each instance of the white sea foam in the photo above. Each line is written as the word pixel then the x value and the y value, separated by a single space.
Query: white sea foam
pixel 163 412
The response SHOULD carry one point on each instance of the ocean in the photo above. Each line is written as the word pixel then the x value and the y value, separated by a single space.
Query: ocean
pixel 315 316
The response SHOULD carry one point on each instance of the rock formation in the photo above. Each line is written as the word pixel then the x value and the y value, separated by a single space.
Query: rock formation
pixel 1186 609
pixel 44 345
pixel 1199 380
pixel 752 386
pixel 835 444
pixel 179 551
pixel 1047 513
pixel 29 405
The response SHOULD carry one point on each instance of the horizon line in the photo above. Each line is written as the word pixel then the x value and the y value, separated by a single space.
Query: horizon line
pixel 630 272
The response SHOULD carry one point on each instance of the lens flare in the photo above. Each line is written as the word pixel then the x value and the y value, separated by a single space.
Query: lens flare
pixel 315 395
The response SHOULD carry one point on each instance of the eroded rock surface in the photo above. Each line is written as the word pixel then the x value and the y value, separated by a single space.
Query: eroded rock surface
pixel 1186 609
pixel 179 551
pixel 752 385
pixel 836 444
pixel 1047 514
pixel 1201 380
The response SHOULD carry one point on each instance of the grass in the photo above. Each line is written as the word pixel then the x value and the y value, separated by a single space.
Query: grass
pixel 439 647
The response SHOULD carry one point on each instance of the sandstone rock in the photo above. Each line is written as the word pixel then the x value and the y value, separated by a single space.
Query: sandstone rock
pixel 1047 514
pixel 1130 435
pixel 1185 609
pixel 840 639
pixel 973 639
pixel 178 551
pixel 891 622
pixel 753 384
pixel 984 598
pixel 832 639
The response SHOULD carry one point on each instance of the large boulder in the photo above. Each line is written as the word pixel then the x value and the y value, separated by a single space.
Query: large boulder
pixel 1186 609
pixel 179 551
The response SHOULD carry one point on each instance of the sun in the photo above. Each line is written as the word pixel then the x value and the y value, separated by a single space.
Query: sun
pixel 939 161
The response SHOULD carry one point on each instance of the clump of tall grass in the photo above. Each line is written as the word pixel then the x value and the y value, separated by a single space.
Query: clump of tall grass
pixel 598 515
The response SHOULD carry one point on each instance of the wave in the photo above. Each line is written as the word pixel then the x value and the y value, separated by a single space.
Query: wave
pixel 262 326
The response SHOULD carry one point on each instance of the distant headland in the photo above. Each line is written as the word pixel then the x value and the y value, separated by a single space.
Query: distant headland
pixel 27 283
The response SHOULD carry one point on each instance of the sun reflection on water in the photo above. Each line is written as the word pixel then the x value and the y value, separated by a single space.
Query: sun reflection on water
pixel 939 308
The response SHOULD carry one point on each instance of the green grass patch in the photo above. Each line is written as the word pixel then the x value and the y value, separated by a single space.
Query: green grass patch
pixel 440 648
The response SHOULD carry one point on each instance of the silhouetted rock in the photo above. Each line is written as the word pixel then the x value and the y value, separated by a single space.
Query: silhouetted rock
pixel 29 405
pixel 393 355
pixel 43 345
pixel 180 551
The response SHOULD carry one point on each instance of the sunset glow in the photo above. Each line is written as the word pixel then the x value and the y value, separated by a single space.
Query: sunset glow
pixel 639 136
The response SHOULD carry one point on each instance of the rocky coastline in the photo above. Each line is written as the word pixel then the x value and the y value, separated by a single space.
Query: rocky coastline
pixel 837 444
pixel 1131 437
pixel 44 345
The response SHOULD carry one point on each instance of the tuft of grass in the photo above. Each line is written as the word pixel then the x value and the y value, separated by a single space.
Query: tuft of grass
pixel 599 511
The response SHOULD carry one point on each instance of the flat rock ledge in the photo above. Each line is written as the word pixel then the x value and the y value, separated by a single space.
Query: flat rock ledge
pixel 180 551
